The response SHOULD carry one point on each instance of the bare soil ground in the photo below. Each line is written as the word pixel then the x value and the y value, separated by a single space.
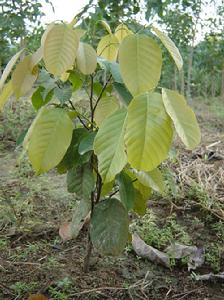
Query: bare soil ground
pixel 33 259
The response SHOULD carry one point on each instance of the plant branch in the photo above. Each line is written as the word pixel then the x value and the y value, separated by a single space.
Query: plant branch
pixel 91 102
pixel 101 93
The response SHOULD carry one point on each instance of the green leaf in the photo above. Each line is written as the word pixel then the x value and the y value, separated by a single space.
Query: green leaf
pixel 111 67
pixel 60 47
pixel 105 107
pixel 63 94
pixel 21 137
pixel 75 80
pixel 149 132
pixel 140 61
pixel 106 188
pixel 5 94
pixel 37 98
pixel 72 157
pixel 109 227
pixel 24 77
pixel 170 46
pixel 153 179
pixel 48 138
pixel 126 190
pixel 80 180
pixel 86 59
pixel 86 143
pixel 9 68
pixel 183 118
pixel 108 47
pixel 140 204
pixel 109 145
pixel 124 94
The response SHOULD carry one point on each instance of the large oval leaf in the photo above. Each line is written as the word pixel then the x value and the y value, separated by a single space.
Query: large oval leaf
pixel 109 145
pixel 60 47
pixel 105 108
pixel 49 138
pixel 149 132
pixel 6 92
pixel 86 59
pixel 109 227
pixel 183 118
pixel 108 47
pixel 24 77
pixel 140 63
pixel 171 47
pixel 9 67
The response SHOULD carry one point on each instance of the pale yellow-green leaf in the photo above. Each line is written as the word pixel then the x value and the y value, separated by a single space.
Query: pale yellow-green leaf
pixel 86 59
pixel 36 57
pixel 105 107
pixel 64 77
pixel 109 146
pixel 107 188
pixel 140 61
pixel 49 138
pixel 183 117
pixel 79 32
pixel 9 67
pixel 121 32
pixel 152 179
pixel 60 47
pixel 106 26
pixel 24 77
pixel 148 133
pixel 170 46
pixel 47 30
pixel 108 47
pixel 5 93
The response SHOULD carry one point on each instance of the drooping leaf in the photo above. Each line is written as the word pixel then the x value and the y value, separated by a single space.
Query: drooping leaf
pixel 108 47
pixel 126 190
pixel 81 211
pixel 153 179
pixel 105 107
pixel 123 93
pixel 86 59
pixel 48 138
pixel 70 230
pixel 80 180
pixel 60 47
pixel 106 26
pixel 183 117
pixel 140 203
pixel 21 137
pixel 140 61
pixel 86 144
pixel 149 132
pixel 109 227
pixel 170 46
pixel 36 57
pixel 24 77
pixel 5 94
pixel 9 68
pixel 121 32
pixel 109 145
pixel 111 67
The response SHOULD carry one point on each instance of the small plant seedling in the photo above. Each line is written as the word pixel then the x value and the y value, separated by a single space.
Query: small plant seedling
pixel 102 120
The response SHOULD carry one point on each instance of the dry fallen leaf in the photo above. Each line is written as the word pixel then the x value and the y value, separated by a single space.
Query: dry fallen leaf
pixel 37 297
pixel 65 232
